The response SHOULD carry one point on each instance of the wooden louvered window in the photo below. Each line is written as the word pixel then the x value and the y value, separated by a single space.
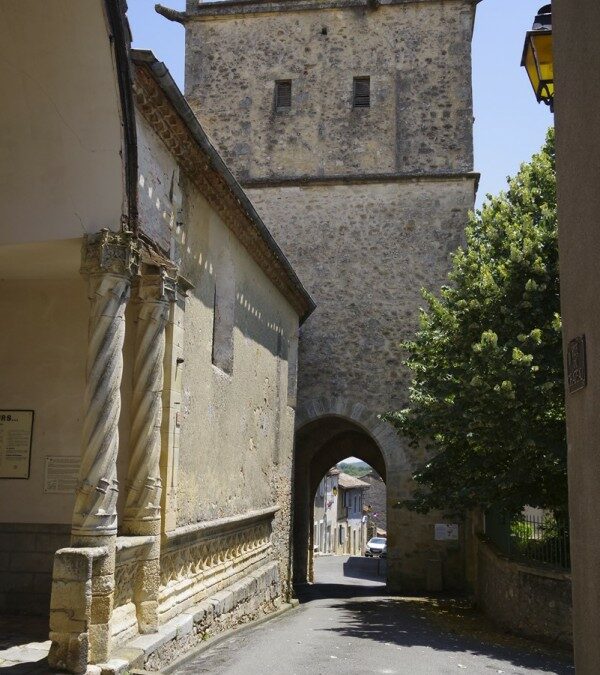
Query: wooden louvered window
pixel 283 94
pixel 362 92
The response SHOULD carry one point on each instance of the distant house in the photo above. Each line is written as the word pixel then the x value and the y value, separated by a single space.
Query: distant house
pixel 375 504
pixel 339 523
pixel 326 512
pixel 352 524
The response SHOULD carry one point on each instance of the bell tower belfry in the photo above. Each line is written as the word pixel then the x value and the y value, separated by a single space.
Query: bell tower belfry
pixel 349 123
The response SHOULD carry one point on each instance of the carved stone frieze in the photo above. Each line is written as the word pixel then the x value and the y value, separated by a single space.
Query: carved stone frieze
pixel 125 576
pixel 191 571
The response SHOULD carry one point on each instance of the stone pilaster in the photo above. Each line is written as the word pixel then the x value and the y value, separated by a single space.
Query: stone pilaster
pixel 144 486
pixel 83 580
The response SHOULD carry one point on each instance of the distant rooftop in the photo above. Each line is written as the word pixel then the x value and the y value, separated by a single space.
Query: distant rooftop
pixel 349 482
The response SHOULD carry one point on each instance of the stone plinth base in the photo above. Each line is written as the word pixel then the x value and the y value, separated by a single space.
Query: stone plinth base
pixel 80 608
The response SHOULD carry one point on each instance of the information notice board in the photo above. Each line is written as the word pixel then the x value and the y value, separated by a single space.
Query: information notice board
pixel 15 443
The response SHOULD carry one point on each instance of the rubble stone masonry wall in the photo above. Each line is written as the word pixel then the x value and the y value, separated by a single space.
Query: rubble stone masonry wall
pixel 365 251
pixel 528 600
pixel 417 55
pixel 367 203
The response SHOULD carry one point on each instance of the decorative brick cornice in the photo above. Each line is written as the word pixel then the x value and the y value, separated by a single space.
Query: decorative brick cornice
pixel 158 101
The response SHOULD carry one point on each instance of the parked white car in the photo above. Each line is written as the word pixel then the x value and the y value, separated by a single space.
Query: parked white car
pixel 375 547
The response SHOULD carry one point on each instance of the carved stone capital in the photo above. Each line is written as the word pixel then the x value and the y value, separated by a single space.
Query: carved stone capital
pixel 108 252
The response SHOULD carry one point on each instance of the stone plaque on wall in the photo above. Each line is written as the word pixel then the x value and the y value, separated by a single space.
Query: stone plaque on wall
pixel 446 532
pixel 61 474
pixel 15 443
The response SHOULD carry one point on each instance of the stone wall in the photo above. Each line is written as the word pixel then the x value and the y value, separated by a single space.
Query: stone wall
pixel 528 600
pixel 365 251
pixel 26 559
pixel 367 203
pixel 252 597
pixel 231 427
pixel 417 55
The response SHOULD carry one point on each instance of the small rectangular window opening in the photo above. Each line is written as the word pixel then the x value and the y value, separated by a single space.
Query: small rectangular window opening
pixel 283 94
pixel 362 92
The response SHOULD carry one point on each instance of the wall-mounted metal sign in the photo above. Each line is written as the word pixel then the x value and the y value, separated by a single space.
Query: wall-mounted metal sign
pixel 576 364
pixel 15 443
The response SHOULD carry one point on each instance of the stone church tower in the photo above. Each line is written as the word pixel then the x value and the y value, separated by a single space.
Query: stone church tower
pixel 349 125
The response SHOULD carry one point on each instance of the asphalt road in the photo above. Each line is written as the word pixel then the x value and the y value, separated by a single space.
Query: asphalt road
pixel 346 624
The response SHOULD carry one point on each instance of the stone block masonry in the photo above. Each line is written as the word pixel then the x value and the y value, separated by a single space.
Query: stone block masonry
pixel 254 596
pixel 26 559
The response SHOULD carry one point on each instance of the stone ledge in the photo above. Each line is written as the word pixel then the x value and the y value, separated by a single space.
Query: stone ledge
pixel 538 570
pixel 230 8
pixel 359 179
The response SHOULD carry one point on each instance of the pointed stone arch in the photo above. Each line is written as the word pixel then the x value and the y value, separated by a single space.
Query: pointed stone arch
pixel 382 432
pixel 327 430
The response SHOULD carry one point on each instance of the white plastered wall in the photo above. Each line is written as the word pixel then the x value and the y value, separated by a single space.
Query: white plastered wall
pixel 43 345
pixel 60 165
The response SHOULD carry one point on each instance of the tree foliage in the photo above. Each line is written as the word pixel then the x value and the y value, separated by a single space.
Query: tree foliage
pixel 487 397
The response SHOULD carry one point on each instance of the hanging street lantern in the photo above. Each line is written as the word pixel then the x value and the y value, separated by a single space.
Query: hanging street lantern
pixel 537 56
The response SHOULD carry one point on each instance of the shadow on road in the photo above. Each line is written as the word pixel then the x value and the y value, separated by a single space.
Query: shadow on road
pixel 356 590
pixel 320 591
pixel 371 569
pixel 406 622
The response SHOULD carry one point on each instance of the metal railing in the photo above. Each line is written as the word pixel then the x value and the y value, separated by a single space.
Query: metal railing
pixel 536 538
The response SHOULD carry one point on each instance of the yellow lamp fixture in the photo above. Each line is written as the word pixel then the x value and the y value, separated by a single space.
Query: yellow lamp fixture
pixel 537 56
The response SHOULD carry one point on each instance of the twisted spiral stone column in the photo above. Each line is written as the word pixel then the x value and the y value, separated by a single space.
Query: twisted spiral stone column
pixel 108 260
pixel 83 579
pixel 142 506
pixel 142 509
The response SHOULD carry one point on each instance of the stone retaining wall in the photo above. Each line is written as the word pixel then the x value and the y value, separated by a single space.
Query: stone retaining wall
pixel 26 559
pixel 529 600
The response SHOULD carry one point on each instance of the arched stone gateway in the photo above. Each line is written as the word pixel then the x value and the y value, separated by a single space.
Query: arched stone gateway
pixel 331 429
pixel 366 202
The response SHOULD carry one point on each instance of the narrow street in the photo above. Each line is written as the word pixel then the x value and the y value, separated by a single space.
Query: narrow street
pixel 347 624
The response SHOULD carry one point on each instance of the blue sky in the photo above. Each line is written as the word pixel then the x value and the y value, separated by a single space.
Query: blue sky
pixel 509 124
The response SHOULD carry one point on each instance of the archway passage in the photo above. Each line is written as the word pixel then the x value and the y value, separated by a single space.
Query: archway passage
pixel 348 542
pixel 320 445
pixel 331 429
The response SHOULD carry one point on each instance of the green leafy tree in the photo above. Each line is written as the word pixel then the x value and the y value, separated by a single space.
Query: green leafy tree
pixel 487 397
